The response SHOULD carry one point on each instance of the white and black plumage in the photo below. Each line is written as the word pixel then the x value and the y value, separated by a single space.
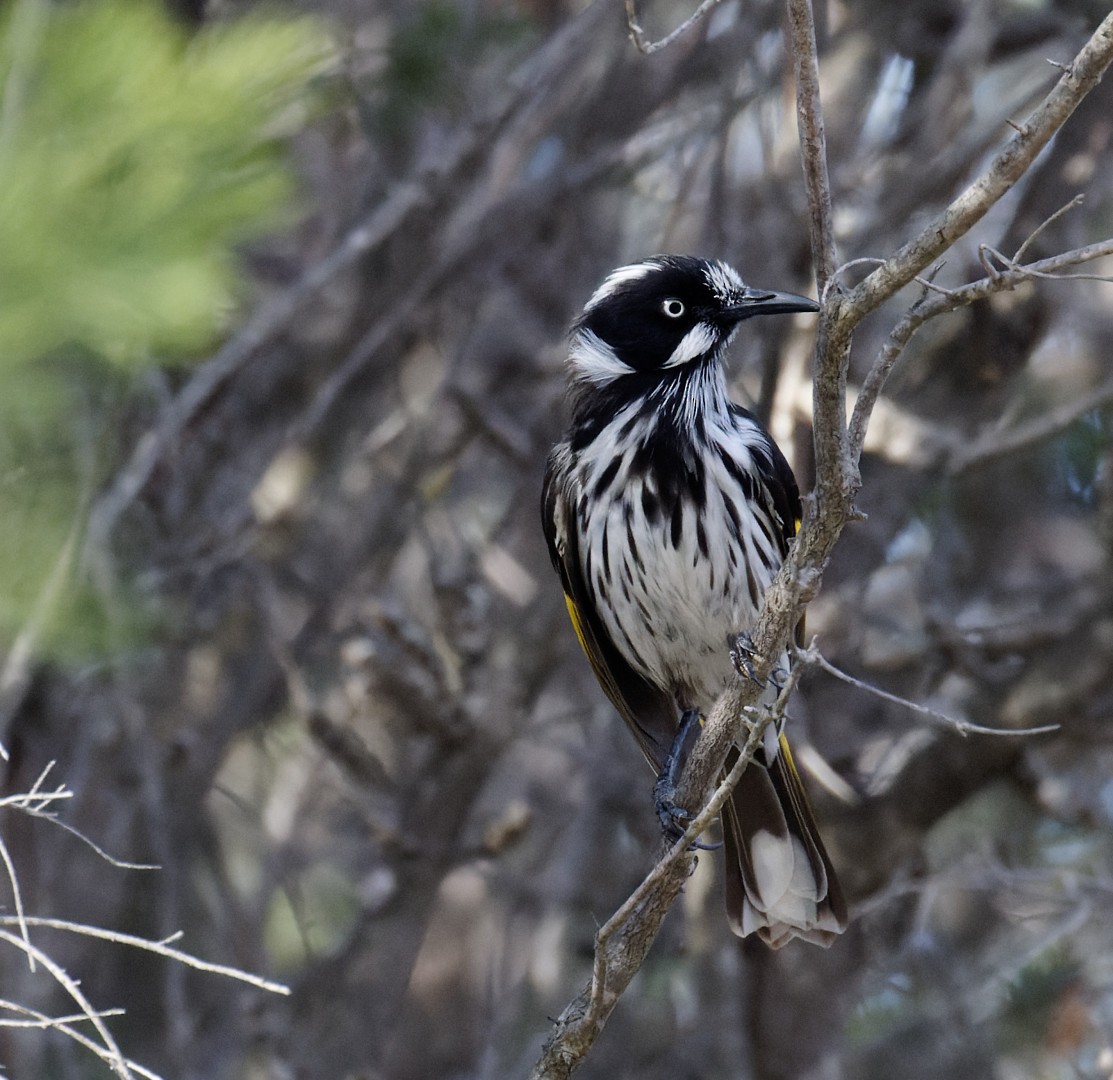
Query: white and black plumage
pixel 668 510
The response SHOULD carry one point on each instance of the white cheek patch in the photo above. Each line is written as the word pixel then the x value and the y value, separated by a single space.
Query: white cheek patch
pixel 593 360
pixel 693 345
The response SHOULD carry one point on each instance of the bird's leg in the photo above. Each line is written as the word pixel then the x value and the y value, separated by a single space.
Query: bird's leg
pixel 777 678
pixel 674 819
pixel 743 653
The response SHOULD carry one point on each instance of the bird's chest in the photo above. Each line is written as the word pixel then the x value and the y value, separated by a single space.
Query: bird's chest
pixel 676 572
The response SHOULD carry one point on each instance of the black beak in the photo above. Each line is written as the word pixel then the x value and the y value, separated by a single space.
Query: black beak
pixel 756 302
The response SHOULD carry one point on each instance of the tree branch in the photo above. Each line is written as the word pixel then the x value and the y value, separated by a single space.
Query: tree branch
pixel 813 139
pixel 941 301
pixel 641 40
pixel 624 940
pixel 1077 80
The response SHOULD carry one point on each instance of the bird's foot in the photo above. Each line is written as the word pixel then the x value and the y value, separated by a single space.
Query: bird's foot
pixel 743 653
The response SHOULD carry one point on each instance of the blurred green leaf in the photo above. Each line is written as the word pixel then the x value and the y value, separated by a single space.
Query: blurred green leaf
pixel 132 160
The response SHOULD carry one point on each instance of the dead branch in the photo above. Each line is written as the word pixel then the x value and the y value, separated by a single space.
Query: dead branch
pixel 812 657
pixel 640 39
pixel 944 301
pixel 1077 80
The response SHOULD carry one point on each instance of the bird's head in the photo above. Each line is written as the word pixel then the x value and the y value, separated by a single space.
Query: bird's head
pixel 664 313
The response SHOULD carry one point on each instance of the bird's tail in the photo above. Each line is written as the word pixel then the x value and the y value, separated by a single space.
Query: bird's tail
pixel 779 879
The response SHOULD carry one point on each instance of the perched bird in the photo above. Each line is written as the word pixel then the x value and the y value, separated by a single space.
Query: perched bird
pixel 668 510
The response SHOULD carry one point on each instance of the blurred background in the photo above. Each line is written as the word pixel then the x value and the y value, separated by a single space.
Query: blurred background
pixel 282 324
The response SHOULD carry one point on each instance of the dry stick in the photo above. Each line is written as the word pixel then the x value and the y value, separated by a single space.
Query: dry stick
pixel 812 657
pixel 638 35
pixel 1077 80
pixel 830 509
pixel 930 306
pixel 107 1048
pixel 159 948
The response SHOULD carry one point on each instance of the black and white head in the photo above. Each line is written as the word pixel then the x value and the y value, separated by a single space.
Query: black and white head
pixel 656 317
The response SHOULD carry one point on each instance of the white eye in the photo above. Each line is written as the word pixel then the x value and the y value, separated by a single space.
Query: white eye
pixel 673 308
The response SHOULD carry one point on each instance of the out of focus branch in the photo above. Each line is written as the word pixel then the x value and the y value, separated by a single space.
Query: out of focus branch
pixel 641 40
pixel 812 657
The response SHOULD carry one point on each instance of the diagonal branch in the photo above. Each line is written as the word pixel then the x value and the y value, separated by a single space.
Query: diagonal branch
pixel 1078 79
pixel 940 301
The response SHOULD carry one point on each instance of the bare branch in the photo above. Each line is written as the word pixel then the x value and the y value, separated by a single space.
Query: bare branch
pixel 640 39
pixel 950 300
pixel 811 656
pixel 108 1050
pixel 813 140
pixel 1077 80
pixel 623 941
pixel 1078 200
pixel 65 1025
pixel 160 948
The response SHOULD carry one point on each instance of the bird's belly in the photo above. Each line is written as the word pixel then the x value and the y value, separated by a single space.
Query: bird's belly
pixel 674 592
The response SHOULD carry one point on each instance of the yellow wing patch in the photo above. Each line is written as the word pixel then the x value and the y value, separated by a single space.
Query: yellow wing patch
pixel 574 615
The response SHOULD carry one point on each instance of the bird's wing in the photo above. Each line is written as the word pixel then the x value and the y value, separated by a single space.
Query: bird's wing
pixel 650 712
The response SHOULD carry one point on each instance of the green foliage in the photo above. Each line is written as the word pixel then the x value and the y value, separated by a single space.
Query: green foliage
pixel 133 160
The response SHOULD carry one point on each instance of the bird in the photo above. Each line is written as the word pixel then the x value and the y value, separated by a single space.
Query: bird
pixel 667 510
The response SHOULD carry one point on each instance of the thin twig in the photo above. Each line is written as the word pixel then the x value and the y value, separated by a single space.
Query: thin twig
pixel 109 1050
pixel 1078 200
pixel 950 300
pixel 812 657
pixel 34 803
pixel 41 1020
pixel 17 899
pixel 64 1024
pixel 1014 159
pixel 642 42
pixel 160 948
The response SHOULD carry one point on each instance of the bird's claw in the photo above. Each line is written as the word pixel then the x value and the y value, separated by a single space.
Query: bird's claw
pixel 742 656
pixel 675 819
